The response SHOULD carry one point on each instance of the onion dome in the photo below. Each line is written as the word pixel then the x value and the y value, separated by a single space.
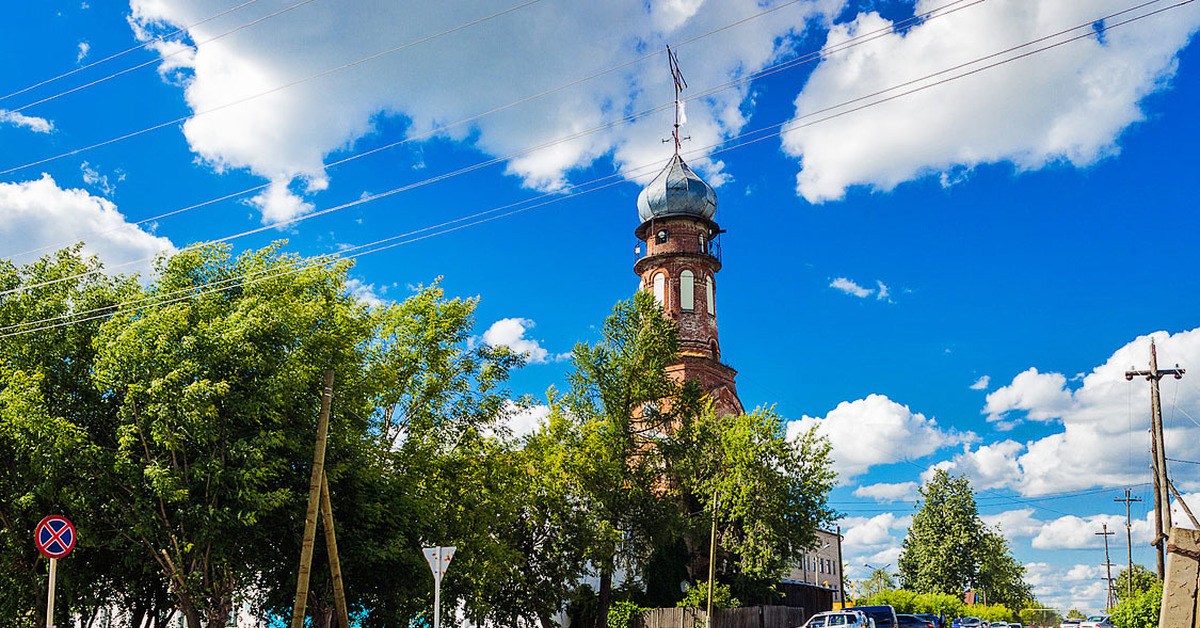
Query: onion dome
pixel 677 191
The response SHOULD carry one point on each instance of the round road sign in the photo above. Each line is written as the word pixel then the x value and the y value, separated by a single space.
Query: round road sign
pixel 54 536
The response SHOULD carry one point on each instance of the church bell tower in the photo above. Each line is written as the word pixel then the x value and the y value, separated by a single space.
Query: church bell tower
pixel 682 255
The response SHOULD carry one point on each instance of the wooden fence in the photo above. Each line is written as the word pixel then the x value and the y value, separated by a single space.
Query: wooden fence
pixel 749 617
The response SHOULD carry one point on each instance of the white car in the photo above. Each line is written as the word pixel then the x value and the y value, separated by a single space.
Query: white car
pixel 842 619
pixel 1098 621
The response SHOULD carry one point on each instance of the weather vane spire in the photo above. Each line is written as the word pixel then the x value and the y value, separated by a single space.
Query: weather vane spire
pixel 680 85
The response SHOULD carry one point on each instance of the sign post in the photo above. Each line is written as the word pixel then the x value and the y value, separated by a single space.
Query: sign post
pixel 439 560
pixel 55 538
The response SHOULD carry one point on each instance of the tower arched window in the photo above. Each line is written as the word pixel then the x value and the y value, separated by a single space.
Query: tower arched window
pixel 661 236
pixel 702 243
pixel 660 289
pixel 687 290
pixel 709 299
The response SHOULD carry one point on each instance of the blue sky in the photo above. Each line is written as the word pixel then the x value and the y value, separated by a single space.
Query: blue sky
pixel 956 277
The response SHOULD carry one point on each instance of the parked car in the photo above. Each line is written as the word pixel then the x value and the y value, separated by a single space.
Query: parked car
pixel 912 621
pixel 883 616
pixel 1097 621
pixel 966 622
pixel 841 619
pixel 1070 623
pixel 934 619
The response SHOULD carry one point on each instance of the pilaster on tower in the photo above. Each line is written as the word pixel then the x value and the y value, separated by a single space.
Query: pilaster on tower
pixel 682 257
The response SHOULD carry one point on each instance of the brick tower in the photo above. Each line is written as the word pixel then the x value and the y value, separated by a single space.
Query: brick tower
pixel 682 255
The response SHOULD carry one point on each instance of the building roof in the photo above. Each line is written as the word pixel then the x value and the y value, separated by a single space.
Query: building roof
pixel 677 191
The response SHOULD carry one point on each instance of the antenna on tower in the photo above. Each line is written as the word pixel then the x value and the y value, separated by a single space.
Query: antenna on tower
pixel 680 85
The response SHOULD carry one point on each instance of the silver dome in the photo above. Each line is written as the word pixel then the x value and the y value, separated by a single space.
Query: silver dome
pixel 677 191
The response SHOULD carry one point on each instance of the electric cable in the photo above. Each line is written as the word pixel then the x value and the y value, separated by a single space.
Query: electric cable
pixel 903 24
pixel 157 59
pixel 628 118
pixel 273 90
pixel 145 44
pixel 701 150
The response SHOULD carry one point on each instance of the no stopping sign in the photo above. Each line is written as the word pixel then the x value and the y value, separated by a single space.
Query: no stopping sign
pixel 54 536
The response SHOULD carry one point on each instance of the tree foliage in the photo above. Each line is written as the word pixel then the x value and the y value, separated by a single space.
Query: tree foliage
pixel 948 548
pixel 177 434
pixel 1140 580
pixel 647 460
pixel 1141 610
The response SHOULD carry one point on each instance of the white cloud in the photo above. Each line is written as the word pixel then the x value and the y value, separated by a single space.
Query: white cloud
pixel 510 332
pixel 1041 396
pixel 366 293
pixel 1073 532
pixel 1062 587
pixel 33 123
pixel 277 203
pixel 884 492
pixel 981 383
pixel 287 134
pixel 526 420
pixel 851 288
pixel 100 182
pixel 875 431
pixel 988 466
pixel 38 213
pixel 84 48
pixel 1103 441
pixel 874 540
pixel 1066 105
pixel 1014 523
pixel 883 295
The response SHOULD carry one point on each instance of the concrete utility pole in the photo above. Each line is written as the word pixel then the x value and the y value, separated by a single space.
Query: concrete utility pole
pixel 1162 495
pixel 1128 538
pixel 1108 604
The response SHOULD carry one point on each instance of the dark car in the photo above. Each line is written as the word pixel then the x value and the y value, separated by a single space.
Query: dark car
pixel 884 616
pixel 912 621
pixel 933 619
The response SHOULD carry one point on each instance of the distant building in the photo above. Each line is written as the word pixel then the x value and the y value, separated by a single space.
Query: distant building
pixel 816 582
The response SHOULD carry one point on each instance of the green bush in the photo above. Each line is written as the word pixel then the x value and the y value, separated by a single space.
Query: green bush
pixel 1139 611
pixel 697 597
pixel 909 602
pixel 989 612
pixel 621 614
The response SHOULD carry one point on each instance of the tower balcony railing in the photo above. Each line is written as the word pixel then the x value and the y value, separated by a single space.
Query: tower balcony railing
pixel 711 248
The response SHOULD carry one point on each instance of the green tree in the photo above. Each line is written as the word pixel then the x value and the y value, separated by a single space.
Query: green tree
pixel 771 493
pixel 1141 610
pixel 948 548
pixel 216 406
pixel 53 423
pixel 1140 580
pixel 879 582
pixel 608 433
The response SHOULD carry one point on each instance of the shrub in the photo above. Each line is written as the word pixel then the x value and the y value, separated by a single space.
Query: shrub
pixel 1139 611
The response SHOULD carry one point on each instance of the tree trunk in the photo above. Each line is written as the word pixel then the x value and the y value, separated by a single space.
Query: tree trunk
pixel 138 616
pixel 604 599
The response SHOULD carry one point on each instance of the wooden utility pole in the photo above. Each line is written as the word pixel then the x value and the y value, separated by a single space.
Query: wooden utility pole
pixel 1108 604
pixel 1162 495
pixel 318 499
pixel 1128 538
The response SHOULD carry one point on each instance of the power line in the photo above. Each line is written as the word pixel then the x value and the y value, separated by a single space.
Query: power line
pixel 157 59
pixel 145 44
pixel 780 129
pixel 611 124
pixel 864 38
pixel 274 89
